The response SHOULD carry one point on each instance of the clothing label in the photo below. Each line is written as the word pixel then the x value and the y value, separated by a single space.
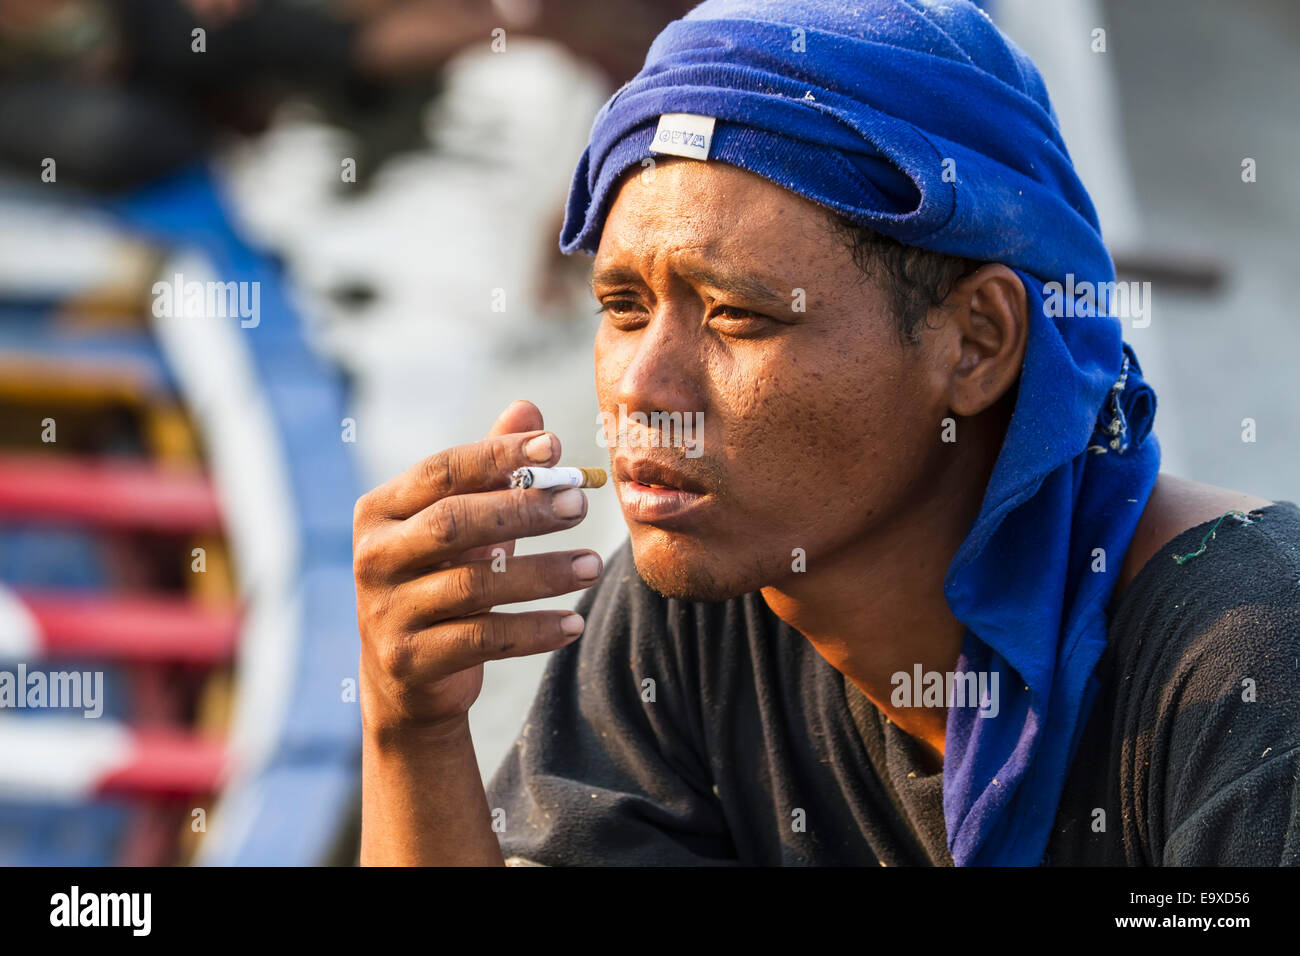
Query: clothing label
pixel 683 134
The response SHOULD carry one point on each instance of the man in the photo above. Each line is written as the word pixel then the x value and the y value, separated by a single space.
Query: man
pixel 917 593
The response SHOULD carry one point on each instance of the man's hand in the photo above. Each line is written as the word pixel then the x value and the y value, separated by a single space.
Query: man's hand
pixel 424 549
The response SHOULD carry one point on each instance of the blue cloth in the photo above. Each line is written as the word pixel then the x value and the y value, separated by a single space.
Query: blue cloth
pixel 921 121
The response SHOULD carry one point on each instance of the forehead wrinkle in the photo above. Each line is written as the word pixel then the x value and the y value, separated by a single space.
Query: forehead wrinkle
pixel 744 285
pixel 705 231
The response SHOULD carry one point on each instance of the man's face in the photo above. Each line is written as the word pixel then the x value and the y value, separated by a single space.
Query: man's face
pixel 728 296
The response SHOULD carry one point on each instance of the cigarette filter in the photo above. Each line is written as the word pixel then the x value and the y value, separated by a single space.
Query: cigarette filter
pixel 557 477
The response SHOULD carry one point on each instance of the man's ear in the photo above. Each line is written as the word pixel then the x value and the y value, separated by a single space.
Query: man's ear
pixel 984 330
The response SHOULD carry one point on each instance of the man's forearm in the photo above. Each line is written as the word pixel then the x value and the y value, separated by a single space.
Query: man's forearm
pixel 422 800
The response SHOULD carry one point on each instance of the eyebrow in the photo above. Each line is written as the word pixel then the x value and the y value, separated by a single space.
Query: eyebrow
pixel 746 287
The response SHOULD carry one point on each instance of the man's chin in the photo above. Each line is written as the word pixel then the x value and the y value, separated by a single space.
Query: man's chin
pixel 675 575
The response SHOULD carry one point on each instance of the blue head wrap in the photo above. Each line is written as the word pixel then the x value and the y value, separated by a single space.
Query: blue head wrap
pixel 918 119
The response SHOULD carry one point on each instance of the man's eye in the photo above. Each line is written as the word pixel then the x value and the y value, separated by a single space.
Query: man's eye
pixel 737 322
pixel 621 311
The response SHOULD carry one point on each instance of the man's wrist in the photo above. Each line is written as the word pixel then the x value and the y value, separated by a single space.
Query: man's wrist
pixel 393 734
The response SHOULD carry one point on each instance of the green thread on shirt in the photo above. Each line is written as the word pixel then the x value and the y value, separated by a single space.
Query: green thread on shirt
pixel 1209 536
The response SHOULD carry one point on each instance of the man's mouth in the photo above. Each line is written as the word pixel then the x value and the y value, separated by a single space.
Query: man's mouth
pixel 653 491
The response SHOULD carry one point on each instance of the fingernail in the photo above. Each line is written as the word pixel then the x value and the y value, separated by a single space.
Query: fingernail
pixel 539 448
pixel 586 567
pixel 571 624
pixel 568 503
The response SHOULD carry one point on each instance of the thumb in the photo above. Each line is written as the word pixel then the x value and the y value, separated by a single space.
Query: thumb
pixel 520 415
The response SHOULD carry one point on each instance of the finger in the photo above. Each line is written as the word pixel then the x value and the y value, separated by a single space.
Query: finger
pixel 452 646
pixel 520 415
pixel 439 536
pixel 464 642
pixel 479 466
pixel 479 586
pixel 486 551
pixel 452 526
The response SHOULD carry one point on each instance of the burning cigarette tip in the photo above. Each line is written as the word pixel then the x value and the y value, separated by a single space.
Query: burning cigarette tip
pixel 557 477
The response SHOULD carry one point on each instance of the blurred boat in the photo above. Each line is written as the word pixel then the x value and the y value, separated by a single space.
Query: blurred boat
pixel 175 515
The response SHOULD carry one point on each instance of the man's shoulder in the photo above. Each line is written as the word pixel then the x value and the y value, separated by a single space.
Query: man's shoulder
pixel 1203 664
pixel 1177 506
pixel 1208 556
pixel 1218 599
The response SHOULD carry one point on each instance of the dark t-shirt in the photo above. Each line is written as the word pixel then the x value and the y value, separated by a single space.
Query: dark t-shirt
pixel 689 733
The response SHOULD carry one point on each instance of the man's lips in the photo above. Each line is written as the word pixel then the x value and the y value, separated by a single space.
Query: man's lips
pixel 655 491
pixel 656 474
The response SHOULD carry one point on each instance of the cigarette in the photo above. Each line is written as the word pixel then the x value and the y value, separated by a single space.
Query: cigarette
pixel 557 477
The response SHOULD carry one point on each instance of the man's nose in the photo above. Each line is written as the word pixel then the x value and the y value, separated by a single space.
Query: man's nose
pixel 665 370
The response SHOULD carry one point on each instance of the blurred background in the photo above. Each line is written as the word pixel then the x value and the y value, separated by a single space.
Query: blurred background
pixel 389 178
